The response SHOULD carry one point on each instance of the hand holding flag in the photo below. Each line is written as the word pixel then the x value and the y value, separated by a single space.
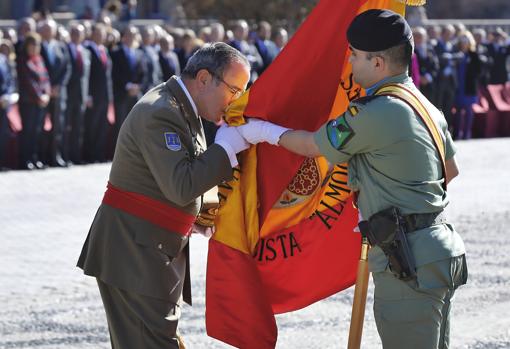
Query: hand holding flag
pixel 257 131
pixel 231 140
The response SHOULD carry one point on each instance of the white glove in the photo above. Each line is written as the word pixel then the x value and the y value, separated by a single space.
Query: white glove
pixel 256 131
pixel 205 231
pixel 231 140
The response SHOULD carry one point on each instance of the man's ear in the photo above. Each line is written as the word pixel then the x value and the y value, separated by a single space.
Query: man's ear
pixel 203 77
pixel 380 63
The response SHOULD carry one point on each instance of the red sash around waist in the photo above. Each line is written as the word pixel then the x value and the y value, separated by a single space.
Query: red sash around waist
pixel 151 210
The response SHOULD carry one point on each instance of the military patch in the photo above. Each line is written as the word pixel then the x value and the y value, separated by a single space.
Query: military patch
pixel 339 132
pixel 172 140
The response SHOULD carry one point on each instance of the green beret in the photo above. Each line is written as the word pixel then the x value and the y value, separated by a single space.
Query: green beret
pixel 378 30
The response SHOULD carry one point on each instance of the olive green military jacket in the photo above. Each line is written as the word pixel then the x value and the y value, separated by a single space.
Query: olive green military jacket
pixel 393 162
pixel 161 153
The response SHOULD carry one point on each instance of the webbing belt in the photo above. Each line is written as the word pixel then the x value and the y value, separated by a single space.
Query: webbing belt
pixel 417 221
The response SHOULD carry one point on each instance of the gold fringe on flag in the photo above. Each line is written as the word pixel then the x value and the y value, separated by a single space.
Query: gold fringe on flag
pixel 413 2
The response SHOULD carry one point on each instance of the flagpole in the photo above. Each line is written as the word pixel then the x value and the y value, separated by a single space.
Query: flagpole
pixel 360 299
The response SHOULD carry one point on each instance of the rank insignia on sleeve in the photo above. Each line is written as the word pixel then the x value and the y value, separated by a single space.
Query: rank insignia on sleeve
pixel 172 140
pixel 339 132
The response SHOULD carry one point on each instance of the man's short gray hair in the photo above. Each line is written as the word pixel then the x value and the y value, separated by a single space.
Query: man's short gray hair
pixel 214 58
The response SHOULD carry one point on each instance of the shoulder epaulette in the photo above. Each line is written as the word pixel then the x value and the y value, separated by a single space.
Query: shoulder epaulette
pixel 365 99
pixel 355 105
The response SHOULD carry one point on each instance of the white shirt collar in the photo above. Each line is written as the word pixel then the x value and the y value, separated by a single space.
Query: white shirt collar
pixel 179 80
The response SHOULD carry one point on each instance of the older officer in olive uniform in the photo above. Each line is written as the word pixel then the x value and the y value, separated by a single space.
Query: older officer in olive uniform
pixel 137 247
pixel 400 176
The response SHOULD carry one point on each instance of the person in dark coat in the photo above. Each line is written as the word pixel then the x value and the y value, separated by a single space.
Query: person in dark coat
pixel 129 75
pixel 8 96
pixel 34 96
pixel 499 51
pixel 56 59
pixel 280 38
pixel 428 64
pixel 188 44
pixel 25 25
pixel 168 59
pixel 151 58
pixel 99 97
pixel 265 46
pixel 481 47
pixel 447 83
pixel 240 42
pixel 77 92
pixel 469 66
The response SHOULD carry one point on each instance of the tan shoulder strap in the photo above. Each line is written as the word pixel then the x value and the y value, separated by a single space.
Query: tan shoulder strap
pixel 403 93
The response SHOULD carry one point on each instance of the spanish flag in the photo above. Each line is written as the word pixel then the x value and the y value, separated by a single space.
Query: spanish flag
pixel 284 231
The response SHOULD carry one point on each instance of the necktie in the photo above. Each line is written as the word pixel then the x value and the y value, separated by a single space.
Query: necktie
pixel 131 57
pixel 102 56
pixel 170 62
pixel 79 59
pixel 50 53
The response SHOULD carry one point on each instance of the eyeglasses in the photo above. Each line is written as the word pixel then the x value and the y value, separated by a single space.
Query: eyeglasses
pixel 236 91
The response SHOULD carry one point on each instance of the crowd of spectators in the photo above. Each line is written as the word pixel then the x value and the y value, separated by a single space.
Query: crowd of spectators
pixel 65 90
pixel 453 66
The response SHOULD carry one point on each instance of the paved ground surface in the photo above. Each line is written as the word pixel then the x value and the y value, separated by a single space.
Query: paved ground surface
pixel 47 303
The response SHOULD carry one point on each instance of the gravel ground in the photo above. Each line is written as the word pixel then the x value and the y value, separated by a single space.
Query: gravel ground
pixel 46 302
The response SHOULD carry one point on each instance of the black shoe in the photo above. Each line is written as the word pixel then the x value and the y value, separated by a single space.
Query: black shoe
pixel 39 165
pixel 29 165
pixel 59 162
